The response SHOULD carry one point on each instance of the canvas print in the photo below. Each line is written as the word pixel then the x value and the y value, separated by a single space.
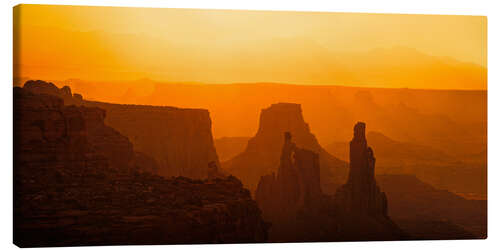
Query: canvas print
pixel 189 126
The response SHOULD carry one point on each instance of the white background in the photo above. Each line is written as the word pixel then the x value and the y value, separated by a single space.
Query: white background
pixel 470 7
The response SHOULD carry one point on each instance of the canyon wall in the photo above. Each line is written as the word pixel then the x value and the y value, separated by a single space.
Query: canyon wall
pixel 179 140
pixel 87 121
pixel 68 192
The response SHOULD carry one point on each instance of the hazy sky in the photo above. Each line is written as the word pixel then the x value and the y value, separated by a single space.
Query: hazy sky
pixel 102 43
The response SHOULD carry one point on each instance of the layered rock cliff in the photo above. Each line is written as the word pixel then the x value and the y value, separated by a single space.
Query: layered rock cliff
pixel 361 193
pixel 179 140
pixel 116 148
pixel 67 192
pixel 262 154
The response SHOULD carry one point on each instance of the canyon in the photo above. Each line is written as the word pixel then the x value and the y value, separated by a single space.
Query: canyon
pixel 452 122
pixel 132 172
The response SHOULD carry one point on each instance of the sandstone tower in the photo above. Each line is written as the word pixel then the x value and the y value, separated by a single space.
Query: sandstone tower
pixel 361 193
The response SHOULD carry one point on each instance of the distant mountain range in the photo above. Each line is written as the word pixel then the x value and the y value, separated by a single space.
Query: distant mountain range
pixel 288 60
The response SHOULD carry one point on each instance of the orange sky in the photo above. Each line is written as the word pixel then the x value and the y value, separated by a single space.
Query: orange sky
pixel 212 46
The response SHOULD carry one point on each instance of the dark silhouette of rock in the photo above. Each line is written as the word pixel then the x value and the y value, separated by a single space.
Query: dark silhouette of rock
pixel 214 171
pixel 429 164
pixel 115 147
pixel 77 97
pixel 179 140
pixel 42 87
pixel 294 203
pixel 67 193
pixel 262 154
pixel 144 163
pixel 361 194
pixel 295 187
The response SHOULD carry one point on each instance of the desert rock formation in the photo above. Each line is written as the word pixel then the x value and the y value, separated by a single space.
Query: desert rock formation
pixel 296 186
pixel 361 193
pixel 429 164
pixel 66 192
pixel 262 154
pixel 298 210
pixel 179 140
pixel 89 122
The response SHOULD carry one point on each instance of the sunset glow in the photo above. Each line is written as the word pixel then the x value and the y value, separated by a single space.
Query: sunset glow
pixel 218 46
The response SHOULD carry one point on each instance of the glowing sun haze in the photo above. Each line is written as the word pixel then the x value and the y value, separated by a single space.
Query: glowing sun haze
pixel 219 46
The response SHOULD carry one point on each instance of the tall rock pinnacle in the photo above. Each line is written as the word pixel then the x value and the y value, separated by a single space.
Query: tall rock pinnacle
pixel 296 186
pixel 293 200
pixel 361 194
pixel 361 157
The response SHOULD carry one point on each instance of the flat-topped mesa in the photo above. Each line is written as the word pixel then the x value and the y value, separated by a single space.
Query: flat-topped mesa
pixel 178 139
pixel 284 117
pixel 280 118
pixel 263 153
pixel 296 187
pixel 361 194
